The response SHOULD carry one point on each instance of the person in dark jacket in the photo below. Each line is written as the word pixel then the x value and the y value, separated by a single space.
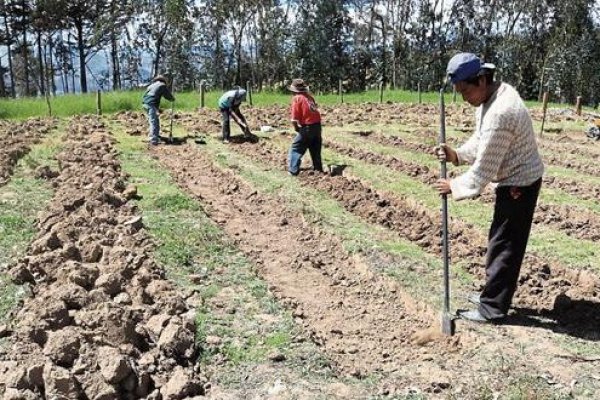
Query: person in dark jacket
pixel 151 102
pixel 229 105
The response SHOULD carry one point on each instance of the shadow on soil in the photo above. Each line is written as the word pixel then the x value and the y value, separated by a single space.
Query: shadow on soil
pixel 244 139
pixel 173 141
pixel 577 318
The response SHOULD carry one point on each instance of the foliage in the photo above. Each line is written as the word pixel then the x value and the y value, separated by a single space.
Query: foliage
pixel 549 45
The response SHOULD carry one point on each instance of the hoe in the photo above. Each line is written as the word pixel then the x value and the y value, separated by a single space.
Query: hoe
pixel 448 325
pixel 172 107
pixel 171 126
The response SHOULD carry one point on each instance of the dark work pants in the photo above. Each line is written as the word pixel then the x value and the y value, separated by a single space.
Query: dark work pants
pixel 226 117
pixel 509 233
pixel 309 137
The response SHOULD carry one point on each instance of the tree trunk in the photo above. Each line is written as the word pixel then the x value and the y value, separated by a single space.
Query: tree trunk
pixel 217 72
pixel 41 64
pixel 114 55
pixel 25 50
pixel 52 84
pixel 13 92
pixel 81 50
pixel 2 85
pixel 72 66
pixel 159 43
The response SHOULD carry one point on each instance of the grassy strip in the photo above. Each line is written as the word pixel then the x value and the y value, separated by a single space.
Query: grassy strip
pixel 20 201
pixel 77 104
pixel 237 307
pixel 115 101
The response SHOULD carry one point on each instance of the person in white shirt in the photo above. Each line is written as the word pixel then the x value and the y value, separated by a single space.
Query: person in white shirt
pixel 502 150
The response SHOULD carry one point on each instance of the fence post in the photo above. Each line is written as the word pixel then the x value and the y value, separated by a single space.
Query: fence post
pixel 202 93
pixel 419 90
pixel 341 91
pixel 578 106
pixel 544 108
pixel 249 92
pixel 381 92
pixel 48 103
pixel 98 102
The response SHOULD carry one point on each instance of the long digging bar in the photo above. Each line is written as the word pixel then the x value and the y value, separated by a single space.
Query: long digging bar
pixel 448 325
pixel 171 124
pixel 172 111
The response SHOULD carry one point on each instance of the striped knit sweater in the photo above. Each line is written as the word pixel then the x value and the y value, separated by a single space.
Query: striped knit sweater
pixel 503 148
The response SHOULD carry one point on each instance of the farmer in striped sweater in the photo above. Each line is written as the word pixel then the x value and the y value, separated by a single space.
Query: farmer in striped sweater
pixel 502 150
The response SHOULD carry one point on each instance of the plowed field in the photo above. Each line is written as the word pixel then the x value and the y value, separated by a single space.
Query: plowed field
pixel 202 269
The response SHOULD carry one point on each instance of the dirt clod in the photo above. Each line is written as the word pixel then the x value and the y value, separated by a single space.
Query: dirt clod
pixel 62 346
pixel 113 365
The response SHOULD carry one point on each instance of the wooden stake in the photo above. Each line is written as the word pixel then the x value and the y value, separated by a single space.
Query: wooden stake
pixel 98 102
pixel 544 108
pixel 202 94
pixel 249 92
pixel 48 103
pixel 419 90
pixel 381 92
pixel 578 106
pixel 341 91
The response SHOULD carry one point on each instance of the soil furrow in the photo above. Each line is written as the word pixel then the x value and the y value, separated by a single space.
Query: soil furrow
pixel 575 222
pixel 585 147
pixel 229 203
pixel 294 258
pixel 542 281
pixel 579 189
pixel 101 321
pixel 545 286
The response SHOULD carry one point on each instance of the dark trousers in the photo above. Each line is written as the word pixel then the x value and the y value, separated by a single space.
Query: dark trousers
pixel 309 137
pixel 226 117
pixel 507 241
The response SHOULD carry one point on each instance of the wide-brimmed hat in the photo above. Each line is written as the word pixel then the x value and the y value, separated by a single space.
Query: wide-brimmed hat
pixel 298 86
pixel 159 78
pixel 466 65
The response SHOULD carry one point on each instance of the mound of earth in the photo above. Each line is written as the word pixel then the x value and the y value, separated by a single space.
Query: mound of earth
pixel 101 321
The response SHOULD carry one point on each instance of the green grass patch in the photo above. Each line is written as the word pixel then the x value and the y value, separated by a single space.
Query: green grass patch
pixel 78 104
pixel 174 202
pixel 532 387
pixel 8 296
pixel 115 101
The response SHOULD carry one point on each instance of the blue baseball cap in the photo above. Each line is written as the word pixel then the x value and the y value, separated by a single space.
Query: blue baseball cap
pixel 464 66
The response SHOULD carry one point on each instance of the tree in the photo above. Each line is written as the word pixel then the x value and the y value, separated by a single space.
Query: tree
pixel 323 42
